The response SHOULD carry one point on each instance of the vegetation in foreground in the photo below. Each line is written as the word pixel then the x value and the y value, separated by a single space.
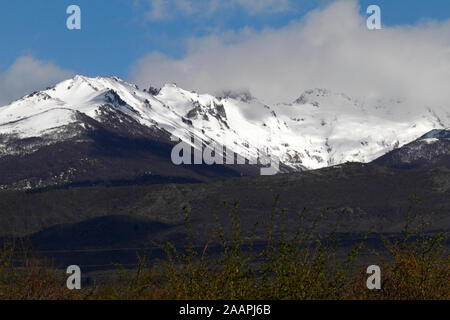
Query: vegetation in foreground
pixel 295 267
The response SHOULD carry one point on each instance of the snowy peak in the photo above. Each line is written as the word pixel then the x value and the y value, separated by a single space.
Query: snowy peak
pixel 322 97
pixel 312 96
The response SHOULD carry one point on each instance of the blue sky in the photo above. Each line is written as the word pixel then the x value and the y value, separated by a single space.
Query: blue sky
pixel 116 33
pixel 273 48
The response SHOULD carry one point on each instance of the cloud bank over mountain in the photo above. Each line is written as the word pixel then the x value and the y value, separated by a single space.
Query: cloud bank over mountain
pixel 26 75
pixel 329 48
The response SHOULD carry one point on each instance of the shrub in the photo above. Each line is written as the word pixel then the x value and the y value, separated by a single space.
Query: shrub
pixel 299 266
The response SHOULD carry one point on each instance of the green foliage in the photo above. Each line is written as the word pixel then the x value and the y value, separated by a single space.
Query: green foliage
pixel 418 266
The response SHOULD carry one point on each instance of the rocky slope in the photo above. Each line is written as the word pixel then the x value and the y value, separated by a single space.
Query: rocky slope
pixel 430 150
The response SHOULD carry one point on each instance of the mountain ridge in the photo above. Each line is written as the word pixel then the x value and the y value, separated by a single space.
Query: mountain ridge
pixel 429 151
pixel 320 129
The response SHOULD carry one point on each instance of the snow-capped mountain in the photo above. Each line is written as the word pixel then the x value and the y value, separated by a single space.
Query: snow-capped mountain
pixel 430 150
pixel 321 128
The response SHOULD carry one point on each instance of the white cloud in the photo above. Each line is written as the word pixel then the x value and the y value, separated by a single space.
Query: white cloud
pixel 157 10
pixel 168 9
pixel 260 6
pixel 27 75
pixel 330 48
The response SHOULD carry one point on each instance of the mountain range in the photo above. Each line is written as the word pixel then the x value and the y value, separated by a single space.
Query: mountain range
pixel 86 170
pixel 91 130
